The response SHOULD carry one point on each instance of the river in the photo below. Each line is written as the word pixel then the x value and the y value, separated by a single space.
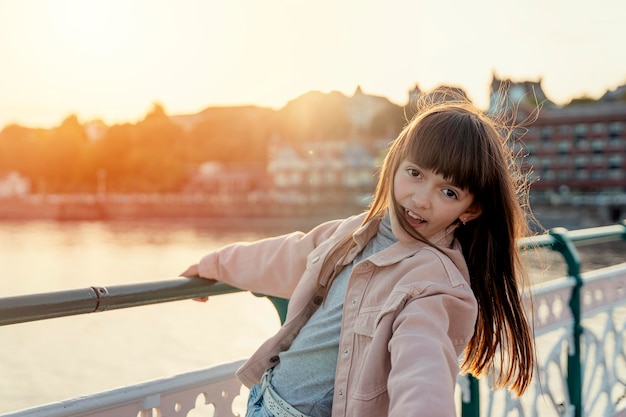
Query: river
pixel 57 359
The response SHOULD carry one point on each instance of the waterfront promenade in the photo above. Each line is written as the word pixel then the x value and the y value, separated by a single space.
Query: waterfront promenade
pixel 572 214
pixel 158 206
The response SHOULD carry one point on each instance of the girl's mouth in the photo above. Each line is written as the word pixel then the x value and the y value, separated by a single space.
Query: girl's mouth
pixel 413 219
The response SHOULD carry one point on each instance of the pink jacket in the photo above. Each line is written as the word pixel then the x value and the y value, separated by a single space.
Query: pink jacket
pixel 409 313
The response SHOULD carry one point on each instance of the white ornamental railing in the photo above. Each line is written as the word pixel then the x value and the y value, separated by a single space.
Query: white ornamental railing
pixel 208 392
pixel 603 361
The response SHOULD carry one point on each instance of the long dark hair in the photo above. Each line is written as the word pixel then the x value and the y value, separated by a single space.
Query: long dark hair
pixel 457 141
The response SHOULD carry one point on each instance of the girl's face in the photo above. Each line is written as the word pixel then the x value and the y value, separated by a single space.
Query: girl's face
pixel 429 202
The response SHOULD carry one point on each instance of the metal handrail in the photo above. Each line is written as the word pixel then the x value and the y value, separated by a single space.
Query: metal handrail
pixel 581 237
pixel 32 307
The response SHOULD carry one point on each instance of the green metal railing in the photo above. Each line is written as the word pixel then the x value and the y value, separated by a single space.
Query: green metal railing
pixel 25 308
pixel 563 241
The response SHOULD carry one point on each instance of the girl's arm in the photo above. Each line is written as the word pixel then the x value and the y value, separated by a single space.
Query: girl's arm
pixel 430 334
pixel 271 266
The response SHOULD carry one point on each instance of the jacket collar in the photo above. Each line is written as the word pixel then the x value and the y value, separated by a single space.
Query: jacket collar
pixel 398 250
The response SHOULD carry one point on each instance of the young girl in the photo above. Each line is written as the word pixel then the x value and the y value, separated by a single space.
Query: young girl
pixel 383 304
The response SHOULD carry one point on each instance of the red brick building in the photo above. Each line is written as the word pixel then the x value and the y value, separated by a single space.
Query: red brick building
pixel 578 149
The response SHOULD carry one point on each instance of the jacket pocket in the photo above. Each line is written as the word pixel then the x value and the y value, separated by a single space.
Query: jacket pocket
pixel 370 359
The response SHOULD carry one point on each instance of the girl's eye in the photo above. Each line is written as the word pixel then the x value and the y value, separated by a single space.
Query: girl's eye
pixel 450 193
pixel 413 172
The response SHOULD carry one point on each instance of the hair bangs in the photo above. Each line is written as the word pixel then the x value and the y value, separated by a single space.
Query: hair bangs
pixel 450 144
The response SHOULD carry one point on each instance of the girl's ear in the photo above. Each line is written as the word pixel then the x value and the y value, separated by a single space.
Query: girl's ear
pixel 473 212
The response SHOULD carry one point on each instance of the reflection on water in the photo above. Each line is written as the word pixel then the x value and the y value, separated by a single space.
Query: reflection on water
pixel 56 359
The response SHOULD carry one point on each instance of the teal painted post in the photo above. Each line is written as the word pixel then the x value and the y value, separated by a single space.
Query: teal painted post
pixel 574 368
pixel 280 304
pixel 471 408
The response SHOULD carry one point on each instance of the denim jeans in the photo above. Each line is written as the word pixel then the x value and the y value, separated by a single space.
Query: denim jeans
pixel 255 403
pixel 263 401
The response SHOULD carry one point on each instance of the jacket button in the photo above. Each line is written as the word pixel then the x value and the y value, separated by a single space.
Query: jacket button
pixel 317 258
pixel 274 359
pixel 318 300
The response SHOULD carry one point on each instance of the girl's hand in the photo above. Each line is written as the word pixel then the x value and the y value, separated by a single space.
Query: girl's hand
pixel 192 272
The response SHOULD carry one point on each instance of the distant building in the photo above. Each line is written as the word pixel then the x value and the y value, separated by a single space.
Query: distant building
pixel 579 148
pixel 228 183
pixel 363 107
pixel 575 149
pixel 329 172
pixel 523 98
pixel 357 167
pixel 12 184
pixel 287 171
pixel 617 95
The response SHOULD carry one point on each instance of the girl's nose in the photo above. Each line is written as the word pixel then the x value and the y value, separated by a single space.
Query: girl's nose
pixel 421 199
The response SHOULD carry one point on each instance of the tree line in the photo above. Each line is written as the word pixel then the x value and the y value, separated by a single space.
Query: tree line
pixel 159 154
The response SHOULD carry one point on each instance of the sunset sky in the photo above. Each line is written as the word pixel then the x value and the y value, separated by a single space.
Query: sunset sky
pixel 112 59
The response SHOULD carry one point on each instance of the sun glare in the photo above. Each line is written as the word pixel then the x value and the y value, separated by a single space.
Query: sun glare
pixel 94 27
pixel 110 59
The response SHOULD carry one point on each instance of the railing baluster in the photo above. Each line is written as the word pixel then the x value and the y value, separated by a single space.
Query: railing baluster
pixel 565 246
pixel 471 408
